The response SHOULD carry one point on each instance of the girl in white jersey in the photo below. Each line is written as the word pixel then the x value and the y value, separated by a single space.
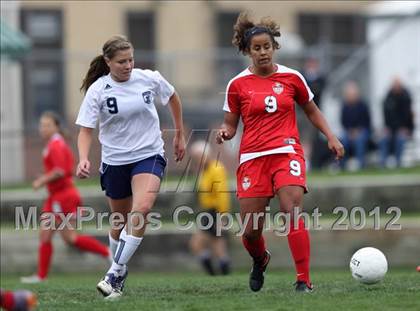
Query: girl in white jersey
pixel 123 100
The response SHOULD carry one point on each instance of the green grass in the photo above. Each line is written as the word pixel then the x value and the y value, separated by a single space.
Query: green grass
pixel 335 290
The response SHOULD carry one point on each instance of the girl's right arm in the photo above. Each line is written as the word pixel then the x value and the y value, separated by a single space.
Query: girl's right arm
pixel 84 141
pixel 228 128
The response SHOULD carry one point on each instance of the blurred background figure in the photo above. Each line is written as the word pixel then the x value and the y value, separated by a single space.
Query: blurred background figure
pixel 63 198
pixel 18 300
pixel 399 125
pixel 315 77
pixel 355 119
pixel 213 198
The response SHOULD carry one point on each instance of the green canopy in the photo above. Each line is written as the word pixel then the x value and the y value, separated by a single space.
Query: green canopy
pixel 13 43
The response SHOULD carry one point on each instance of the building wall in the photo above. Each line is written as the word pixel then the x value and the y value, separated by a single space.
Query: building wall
pixel 285 12
pixel 185 34
pixel 11 106
pixel 188 41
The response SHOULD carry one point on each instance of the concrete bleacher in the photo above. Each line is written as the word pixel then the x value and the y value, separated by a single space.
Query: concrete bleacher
pixel 167 248
pixel 324 193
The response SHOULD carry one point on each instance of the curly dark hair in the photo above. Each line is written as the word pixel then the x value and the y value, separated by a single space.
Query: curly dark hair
pixel 243 24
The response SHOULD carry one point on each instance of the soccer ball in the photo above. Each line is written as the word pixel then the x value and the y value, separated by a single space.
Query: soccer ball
pixel 368 265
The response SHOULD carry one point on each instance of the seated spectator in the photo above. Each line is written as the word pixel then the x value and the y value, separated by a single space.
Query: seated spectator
pixel 399 125
pixel 355 119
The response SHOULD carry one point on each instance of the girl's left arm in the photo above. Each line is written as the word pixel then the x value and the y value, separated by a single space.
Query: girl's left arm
pixel 179 140
pixel 317 119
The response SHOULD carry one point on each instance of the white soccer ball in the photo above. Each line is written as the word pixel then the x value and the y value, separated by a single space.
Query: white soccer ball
pixel 368 265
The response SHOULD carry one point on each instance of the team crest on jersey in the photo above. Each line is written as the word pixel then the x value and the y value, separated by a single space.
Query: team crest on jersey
pixel 290 141
pixel 246 183
pixel 147 97
pixel 278 88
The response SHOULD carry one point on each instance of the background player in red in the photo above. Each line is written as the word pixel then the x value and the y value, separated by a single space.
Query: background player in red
pixel 271 157
pixel 63 197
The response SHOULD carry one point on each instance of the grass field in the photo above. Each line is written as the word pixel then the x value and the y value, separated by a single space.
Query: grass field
pixel 335 290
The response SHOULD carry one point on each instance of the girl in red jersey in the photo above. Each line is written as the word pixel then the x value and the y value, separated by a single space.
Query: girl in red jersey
pixel 63 197
pixel 271 157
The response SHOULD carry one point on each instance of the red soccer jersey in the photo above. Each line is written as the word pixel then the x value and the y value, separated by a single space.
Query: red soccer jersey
pixel 267 108
pixel 57 154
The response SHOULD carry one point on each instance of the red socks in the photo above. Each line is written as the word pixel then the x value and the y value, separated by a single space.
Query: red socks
pixel 82 242
pixel 256 248
pixel 44 259
pixel 299 245
pixel 87 243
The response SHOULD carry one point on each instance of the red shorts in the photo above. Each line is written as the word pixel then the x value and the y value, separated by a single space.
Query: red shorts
pixel 65 201
pixel 263 176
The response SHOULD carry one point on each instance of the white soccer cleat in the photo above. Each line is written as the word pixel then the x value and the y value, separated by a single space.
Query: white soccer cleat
pixel 32 279
pixel 112 284
pixel 104 286
pixel 115 294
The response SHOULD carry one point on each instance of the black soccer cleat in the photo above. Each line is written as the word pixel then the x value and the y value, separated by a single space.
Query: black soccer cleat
pixel 256 277
pixel 225 267
pixel 208 266
pixel 303 287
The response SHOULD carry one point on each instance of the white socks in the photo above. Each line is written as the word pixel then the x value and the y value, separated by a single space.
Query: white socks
pixel 125 250
pixel 112 244
pixel 117 269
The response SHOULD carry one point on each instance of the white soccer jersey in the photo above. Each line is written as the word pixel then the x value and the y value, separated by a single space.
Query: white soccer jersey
pixel 129 128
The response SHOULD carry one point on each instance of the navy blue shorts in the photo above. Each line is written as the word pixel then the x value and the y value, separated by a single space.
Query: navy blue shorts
pixel 116 179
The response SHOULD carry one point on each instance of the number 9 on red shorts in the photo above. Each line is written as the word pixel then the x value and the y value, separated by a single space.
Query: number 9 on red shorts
pixel 264 176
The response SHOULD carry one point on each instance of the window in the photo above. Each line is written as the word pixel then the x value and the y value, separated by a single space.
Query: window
pixel 229 63
pixel 43 68
pixel 332 28
pixel 339 34
pixel 310 28
pixel 141 33
pixel 43 27
pixel 225 22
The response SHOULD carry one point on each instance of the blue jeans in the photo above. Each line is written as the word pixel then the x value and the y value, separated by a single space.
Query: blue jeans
pixel 359 145
pixel 398 140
